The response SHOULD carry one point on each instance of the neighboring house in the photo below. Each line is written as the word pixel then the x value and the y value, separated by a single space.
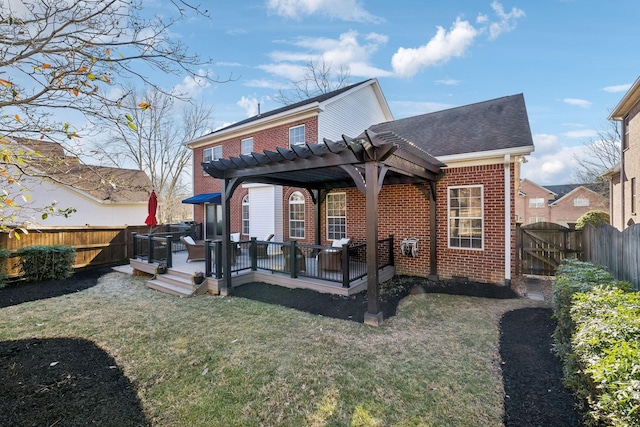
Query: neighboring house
pixel 623 177
pixel 477 148
pixel 100 195
pixel 560 204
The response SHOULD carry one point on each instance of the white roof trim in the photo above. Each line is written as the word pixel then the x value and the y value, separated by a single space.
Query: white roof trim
pixel 518 151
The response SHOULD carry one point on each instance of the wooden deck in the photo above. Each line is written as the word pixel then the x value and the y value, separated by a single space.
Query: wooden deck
pixel 181 272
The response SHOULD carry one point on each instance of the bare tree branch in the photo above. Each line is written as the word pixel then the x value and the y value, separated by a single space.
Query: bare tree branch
pixel 318 79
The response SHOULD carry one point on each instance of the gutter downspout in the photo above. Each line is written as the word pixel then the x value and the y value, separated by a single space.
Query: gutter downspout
pixel 507 220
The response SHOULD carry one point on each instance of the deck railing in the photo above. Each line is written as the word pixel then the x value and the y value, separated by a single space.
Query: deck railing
pixel 342 265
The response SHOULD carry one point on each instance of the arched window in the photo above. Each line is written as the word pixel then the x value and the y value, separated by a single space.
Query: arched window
pixel 245 215
pixel 296 215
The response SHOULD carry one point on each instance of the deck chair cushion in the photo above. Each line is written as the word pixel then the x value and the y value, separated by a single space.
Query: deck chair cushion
pixel 338 243
pixel 189 240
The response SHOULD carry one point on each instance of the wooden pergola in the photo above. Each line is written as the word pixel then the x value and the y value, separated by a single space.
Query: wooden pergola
pixel 366 162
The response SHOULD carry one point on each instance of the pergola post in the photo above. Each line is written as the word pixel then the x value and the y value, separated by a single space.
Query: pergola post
pixel 226 286
pixel 373 316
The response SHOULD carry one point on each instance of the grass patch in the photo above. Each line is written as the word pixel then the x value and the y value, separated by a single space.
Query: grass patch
pixel 237 362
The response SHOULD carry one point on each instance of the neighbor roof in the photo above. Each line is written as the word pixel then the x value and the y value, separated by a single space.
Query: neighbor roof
pixel 631 98
pixel 562 190
pixel 498 124
pixel 108 184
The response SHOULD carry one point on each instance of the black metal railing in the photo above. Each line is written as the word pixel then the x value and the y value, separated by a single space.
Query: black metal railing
pixel 343 265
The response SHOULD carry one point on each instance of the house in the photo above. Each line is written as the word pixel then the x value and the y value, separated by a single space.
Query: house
pixel 446 180
pixel 623 177
pixel 346 111
pixel 560 204
pixel 100 195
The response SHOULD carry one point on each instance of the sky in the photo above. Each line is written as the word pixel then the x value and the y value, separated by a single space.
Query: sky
pixel 572 59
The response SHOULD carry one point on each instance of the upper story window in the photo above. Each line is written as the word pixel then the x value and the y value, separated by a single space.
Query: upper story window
pixel 625 133
pixel 213 153
pixel 580 201
pixel 296 135
pixel 536 219
pixel 466 217
pixel 536 202
pixel 336 216
pixel 296 215
pixel 246 146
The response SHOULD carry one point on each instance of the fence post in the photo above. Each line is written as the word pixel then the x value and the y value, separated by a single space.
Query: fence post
pixel 218 259
pixel 169 252
pixel 150 258
pixel 392 260
pixel 253 254
pixel 134 239
pixel 345 266
pixel 207 258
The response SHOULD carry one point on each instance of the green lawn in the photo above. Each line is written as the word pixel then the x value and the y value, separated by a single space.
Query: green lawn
pixel 210 361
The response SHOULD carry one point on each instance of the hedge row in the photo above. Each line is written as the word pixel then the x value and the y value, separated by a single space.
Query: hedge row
pixel 4 256
pixel 39 263
pixel 597 339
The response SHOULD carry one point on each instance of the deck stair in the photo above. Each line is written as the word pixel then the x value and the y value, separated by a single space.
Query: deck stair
pixel 173 282
pixel 176 283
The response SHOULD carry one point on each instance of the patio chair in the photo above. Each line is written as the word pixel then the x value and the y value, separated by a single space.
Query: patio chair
pixel 331 259
pixel 301 260
pixel 262 247
pixel 195 250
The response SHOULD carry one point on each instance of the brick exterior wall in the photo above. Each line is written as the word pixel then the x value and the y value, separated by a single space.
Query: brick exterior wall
pixel 563 211
pixel 403 212
pixel 631 158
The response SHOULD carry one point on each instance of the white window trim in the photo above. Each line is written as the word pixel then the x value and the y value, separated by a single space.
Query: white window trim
pixel 297 127
pixel 581 202
pixel 213 157
pixel 245 203
pixel 333 216
pixel 304 219
pixel 242 145
pixel 481 248
pixel 536 205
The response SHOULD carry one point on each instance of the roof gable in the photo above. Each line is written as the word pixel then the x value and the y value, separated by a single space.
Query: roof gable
pixel 498 124
pixel 292 107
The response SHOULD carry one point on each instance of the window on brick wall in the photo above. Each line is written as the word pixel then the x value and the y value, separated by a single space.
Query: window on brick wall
pixel 296 135
pixel 536 219
pixel 246 146
pixel 536 202
pixel 625 133
pixel 336 216
pixel 466 217
pixel 245 215
pixel 213 153
pixel 296 215
pixel 580 201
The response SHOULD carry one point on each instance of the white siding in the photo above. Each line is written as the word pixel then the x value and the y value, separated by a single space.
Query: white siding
pixel 350 115
pixel 264 202
pixel 89 210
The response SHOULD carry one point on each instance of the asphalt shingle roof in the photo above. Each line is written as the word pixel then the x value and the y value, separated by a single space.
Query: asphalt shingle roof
pixel 496 124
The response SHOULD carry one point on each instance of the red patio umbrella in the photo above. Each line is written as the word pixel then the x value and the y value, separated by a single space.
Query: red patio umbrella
pixel 151 220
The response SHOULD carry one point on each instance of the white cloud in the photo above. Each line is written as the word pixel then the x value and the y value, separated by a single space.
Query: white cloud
pixel 507 21
pixel 617 88
pixel 407 62
pixel 552 162
pixel 192 86
pixel 345 10
pixel 263 83
pixel 347 51
pixel 577 102
pixel 445 45
pixel 582 133
pixel 250 105
pixel 448 82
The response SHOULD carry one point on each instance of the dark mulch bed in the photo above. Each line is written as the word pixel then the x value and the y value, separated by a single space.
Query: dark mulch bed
pixel 86 387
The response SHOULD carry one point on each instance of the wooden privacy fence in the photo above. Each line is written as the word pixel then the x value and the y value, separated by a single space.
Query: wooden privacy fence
pixel 618 251
pixel 541 247
pixel 94 245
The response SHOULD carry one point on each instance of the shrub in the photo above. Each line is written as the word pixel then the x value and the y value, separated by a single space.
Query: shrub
pixel 594 218
pixel 607 350
pixel 4 256
pixel 38 263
